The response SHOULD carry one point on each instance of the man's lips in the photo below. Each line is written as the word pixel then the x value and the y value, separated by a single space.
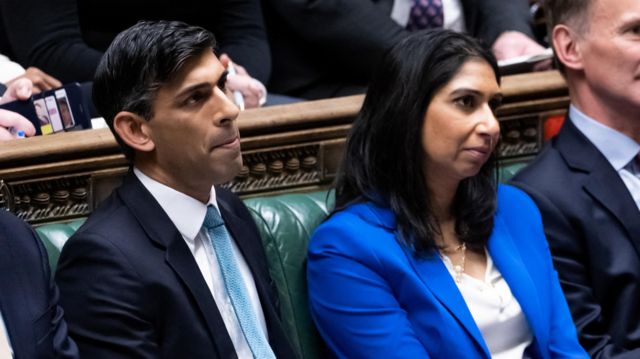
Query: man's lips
pixel 231 142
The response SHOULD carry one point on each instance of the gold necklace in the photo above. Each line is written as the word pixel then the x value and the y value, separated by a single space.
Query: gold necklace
pixel 458 269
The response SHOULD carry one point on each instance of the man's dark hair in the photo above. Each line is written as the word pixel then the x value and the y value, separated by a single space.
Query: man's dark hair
pixel 138 62
pixel 383 161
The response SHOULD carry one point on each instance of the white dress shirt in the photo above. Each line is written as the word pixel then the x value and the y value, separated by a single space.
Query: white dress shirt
pixel 187 214
pixel 6 351
pixel 619 149
pixel 9 70
pixel 451 9
pixel 496 312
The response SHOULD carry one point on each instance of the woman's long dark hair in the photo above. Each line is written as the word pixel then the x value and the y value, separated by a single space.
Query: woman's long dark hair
pixel 384 155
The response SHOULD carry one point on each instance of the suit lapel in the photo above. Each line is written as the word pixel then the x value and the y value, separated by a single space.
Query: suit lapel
pixel 507 259
pixel 161 230
pixel 603 183
pixel 15 314
pixel 435 275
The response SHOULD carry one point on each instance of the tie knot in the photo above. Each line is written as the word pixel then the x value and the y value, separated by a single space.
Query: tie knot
pixel 213 218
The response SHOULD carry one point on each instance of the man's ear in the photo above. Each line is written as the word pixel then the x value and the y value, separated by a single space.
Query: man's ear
pixel 567 47
pixel 133 129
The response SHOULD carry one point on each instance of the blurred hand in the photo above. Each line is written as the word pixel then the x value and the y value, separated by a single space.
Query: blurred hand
pixel 513 44
pixel 41 81
pixel 20 89
pixel 253 91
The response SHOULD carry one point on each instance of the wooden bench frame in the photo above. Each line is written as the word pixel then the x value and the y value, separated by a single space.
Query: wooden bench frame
pixel 287 148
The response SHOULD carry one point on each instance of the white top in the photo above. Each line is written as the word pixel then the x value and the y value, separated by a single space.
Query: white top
pixel 451 9
pixel 496 312
pixel 9 70
pixel 6 351
pixel 187 214
pixel 619 149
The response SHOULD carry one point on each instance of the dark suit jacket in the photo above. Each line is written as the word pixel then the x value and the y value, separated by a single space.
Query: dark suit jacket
pixel 28 296
pixel 327 48
pixel 66 38
pixel 593 228
pixel 132 289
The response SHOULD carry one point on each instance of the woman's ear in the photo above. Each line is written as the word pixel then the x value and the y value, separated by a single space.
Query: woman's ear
pixel 567 47
pixel 133 129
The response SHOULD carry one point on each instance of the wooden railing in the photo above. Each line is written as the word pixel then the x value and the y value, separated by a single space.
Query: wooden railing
pixel 285 148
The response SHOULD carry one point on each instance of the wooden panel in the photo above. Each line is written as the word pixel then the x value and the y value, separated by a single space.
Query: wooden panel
pixel 285 148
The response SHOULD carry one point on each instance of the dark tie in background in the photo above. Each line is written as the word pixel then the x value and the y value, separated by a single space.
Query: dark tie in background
pixel 425 14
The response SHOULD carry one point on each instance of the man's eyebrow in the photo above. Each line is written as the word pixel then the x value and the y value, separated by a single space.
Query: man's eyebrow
pixel 194 88
pixel 223 79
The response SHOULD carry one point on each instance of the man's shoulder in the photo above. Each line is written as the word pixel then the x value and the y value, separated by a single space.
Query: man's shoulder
pixel 23 241
pixel 548 171
pixel 110 215
pixel 10 225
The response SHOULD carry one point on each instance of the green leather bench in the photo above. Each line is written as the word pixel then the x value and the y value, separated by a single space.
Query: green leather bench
pixel 286 223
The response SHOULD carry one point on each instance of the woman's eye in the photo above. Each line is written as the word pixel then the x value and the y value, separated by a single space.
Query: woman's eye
pixel 465 101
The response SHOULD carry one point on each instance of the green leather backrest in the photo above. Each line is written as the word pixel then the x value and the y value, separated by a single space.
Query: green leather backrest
pixel 286 223
pixel 55 235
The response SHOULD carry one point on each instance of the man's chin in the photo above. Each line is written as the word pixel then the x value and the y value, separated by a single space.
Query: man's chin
pixel 229 172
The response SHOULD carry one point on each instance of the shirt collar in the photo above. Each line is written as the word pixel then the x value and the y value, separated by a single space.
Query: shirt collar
pixel 186 213
pixel 616 147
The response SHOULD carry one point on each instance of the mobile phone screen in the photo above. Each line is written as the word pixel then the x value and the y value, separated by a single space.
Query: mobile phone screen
pixel 64 108
pixel 43 116
pixel 54 115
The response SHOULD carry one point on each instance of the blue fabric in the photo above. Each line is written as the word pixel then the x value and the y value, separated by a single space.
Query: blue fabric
pixel 221 242
pixel 371 297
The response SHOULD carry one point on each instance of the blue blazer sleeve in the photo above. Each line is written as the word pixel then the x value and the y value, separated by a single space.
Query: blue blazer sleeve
pixel 359 317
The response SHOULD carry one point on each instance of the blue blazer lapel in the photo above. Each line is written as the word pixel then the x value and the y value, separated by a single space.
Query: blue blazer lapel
pixel 507 259
pixel 435 275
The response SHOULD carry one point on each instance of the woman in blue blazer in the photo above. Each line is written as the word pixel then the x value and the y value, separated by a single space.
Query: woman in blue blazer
pixel 425 256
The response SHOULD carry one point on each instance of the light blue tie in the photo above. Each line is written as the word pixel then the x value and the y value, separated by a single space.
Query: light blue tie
pixel 221 243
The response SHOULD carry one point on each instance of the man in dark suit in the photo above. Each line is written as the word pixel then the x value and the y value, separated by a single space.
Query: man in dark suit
pixel 587 181
pixel 328 48
pixel 145 276
pixel 31 322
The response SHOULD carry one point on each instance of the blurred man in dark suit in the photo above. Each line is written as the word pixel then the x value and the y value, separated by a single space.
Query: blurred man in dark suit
pixel 326 48
pixel 31 322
